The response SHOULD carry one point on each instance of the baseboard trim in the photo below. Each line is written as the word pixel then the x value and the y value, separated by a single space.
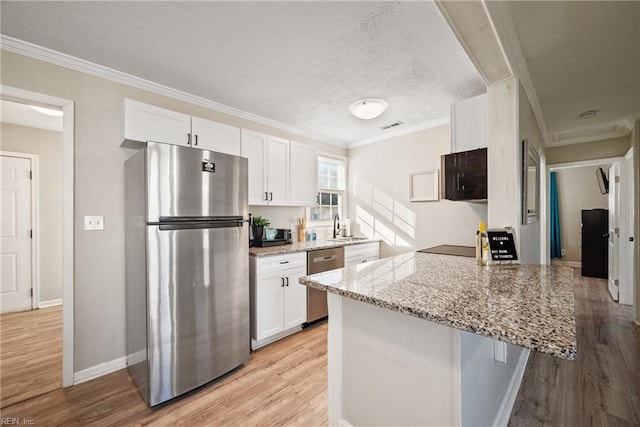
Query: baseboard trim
pixel 572 264
pixel 99 370
pixel 509 400
pixel 259 344
pixel 50 303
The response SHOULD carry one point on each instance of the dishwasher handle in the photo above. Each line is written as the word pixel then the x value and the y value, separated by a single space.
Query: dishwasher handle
pixel 325 258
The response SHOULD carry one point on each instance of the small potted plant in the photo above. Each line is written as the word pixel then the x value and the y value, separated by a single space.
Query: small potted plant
pixel 259 223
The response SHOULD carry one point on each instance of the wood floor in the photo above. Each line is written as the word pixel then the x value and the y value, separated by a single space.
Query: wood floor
pixel 602 386
pixel 30 354
pixel 285 383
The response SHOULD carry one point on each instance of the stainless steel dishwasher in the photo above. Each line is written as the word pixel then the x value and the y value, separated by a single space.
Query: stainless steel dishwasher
pixel 318 262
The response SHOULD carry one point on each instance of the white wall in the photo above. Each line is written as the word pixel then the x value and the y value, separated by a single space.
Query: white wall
pixel 47 145
pixel 503 154
pixel 485 381
pixel 528 129
pixel 99 322
pixel 603 149
pixel 379 204
pixel 577 190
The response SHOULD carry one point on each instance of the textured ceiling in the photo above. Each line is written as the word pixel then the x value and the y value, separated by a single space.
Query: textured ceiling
pixel 299 63
pixel 581 56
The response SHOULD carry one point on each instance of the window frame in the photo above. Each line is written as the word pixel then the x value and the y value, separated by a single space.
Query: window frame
pixel 343 193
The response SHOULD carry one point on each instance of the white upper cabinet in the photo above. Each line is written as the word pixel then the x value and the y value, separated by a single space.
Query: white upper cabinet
pixel 254 148
pixel 268 168
pixel 214 136
pixel 304 175
pixel 278 171
pixel 469 124
pixel 142 122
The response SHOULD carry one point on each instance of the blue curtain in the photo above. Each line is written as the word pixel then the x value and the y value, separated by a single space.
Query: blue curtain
pixel 556 244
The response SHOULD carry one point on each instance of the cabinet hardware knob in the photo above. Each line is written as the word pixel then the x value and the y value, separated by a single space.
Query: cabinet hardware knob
pixel 271 197
pixel 266 196
pixel 188 139
pixel 287 280
pixel 196 139
pixel 282 278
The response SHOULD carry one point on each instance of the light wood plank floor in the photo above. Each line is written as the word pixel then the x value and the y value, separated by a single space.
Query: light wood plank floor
pixel 285 383
pixel 600 387
pixel 30 354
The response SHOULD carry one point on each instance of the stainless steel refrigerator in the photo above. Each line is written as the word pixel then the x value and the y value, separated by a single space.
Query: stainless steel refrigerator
pixel 187 268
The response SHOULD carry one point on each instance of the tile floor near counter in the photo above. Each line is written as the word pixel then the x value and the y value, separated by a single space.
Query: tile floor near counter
pixel 285 383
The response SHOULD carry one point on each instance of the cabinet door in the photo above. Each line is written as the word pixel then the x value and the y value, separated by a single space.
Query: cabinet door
pixel 142 122
pixel 208 135
pixel 278 171
pixel 254 148
pixel 304 175
pixel 269 305
pixel 469 124
pixel 295 298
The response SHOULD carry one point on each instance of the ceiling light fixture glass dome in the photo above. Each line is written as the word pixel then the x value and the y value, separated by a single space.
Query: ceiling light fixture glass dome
pixel 367 109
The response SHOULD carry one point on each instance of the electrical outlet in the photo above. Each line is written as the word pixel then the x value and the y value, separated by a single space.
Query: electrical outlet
pixel 93 223
pixel 500 351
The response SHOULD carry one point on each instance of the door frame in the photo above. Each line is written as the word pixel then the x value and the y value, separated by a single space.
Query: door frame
pixel 68 138
pixel 35 223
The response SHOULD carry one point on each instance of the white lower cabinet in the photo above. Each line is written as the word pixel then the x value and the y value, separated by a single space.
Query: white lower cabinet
pixel 357 254
pixel 278 301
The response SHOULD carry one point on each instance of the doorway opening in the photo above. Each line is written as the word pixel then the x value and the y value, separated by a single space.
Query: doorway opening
pixel 582 194
pixel 41 273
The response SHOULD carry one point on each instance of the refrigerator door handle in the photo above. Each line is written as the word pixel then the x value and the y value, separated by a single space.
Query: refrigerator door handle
pixel 199 225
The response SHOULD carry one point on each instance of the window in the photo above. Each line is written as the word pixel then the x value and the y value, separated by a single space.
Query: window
pixel 331 188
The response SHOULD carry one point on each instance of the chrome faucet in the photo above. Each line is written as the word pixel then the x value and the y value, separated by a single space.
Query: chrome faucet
pixel 336 226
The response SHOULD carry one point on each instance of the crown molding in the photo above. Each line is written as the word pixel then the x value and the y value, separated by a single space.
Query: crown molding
pixel 618 132
pixel 499 14
pixel 413 129
pixel 630 120
pixel 41 53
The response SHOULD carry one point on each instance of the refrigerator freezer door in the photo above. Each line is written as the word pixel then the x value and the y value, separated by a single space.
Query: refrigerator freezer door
pixel 188 182
pixel 198 304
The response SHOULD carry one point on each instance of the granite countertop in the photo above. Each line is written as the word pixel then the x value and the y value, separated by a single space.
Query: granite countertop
pixel 305 246
pixel 531 306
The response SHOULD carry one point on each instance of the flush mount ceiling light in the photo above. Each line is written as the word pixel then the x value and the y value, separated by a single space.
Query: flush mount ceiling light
pixel 47 111
pixel 589 114
pixel 368 108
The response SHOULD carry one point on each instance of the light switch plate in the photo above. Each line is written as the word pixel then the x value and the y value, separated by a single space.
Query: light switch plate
pixel 93 223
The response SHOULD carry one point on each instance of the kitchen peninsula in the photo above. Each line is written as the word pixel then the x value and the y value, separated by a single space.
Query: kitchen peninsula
pixel 433 339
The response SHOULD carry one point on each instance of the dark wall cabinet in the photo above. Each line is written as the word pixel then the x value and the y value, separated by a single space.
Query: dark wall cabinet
pixel 465 175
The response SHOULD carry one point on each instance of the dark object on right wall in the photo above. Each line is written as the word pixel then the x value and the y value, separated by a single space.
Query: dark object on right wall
pixel 465 175
pixel 603 181
pixel 595 243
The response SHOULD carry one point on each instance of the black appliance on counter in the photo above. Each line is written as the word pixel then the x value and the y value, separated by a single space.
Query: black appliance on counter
pixel 283 237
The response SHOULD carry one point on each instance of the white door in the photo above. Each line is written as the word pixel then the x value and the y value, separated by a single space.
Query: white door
pixel 278 171
pixel 254 148
pixel 15 226
pixel 614 231
pixel 304 175
pixel 627 237
pixel 208 135
pixel 295 298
